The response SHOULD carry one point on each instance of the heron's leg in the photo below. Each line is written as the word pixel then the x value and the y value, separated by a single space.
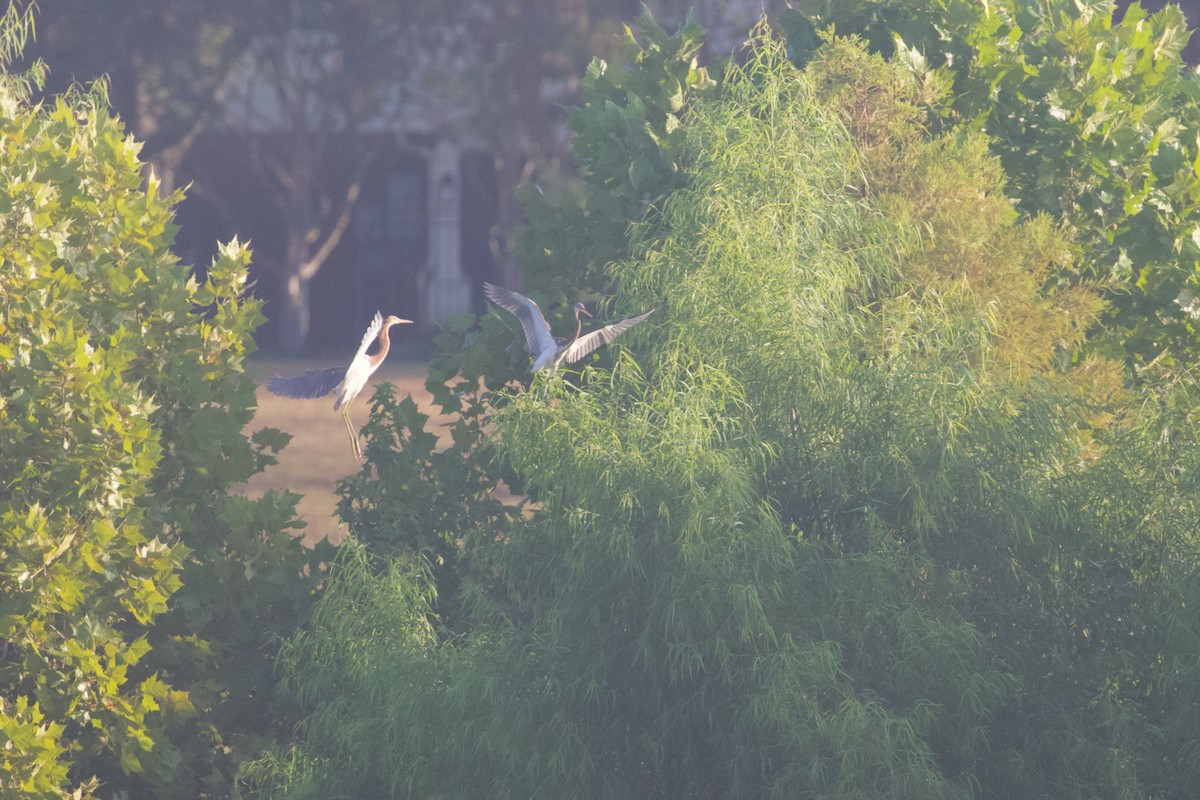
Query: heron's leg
pixel 353 436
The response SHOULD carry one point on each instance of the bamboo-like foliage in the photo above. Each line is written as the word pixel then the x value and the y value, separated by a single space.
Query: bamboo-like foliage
pixel 827 535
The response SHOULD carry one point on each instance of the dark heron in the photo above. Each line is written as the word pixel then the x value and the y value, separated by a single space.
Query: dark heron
pixel 346 381
pixel 547 350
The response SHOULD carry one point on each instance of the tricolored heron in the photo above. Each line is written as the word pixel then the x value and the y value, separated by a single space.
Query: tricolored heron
pixel 347 381
pixel 549 351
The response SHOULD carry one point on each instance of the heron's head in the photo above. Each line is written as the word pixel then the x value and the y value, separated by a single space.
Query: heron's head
pixel 390 321
pixel 580 308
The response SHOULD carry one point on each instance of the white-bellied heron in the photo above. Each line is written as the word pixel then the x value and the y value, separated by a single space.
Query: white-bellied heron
pixel 347 381
pixel 547 350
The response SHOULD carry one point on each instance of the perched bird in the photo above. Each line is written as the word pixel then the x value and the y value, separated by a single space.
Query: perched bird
pixel 549 351
pixel 347 381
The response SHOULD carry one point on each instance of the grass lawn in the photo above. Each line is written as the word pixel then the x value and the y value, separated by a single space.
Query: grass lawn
pixel 319 454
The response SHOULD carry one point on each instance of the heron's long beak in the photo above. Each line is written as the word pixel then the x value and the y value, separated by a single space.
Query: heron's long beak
pixel 585 312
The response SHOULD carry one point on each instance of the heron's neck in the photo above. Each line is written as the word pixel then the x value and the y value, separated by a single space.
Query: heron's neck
pixel 384 344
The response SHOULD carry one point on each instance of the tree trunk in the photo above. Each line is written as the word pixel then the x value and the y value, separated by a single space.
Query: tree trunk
pixel 293 314
pixel 310 244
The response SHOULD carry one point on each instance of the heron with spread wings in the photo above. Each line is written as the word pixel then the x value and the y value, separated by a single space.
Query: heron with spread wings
pixel 547 350
pixel 346 381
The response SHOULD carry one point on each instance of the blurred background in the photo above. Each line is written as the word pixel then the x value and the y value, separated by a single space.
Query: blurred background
pixel 370 150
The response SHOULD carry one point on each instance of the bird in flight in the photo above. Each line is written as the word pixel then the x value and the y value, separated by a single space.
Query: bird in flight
pixel 346 381
pixel 547 350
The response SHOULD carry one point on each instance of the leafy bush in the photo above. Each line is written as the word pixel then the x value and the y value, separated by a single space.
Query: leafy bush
pixel 139 597
pixel 418 497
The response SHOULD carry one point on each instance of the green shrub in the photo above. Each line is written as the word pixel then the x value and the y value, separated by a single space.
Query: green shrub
pixel 139 596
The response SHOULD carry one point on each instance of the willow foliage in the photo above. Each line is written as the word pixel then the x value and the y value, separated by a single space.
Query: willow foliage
pixel 828 534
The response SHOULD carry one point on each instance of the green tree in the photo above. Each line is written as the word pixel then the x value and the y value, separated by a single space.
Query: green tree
pixel 1095 122
pixel 140 598
pixel 844 527
pixel 629 144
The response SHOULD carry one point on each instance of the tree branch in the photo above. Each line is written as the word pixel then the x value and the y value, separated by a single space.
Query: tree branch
pixel 313 264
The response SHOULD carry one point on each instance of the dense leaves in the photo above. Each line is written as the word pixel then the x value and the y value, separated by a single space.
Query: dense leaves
pixel 1095 122
pixel 629 142
pixel 139 597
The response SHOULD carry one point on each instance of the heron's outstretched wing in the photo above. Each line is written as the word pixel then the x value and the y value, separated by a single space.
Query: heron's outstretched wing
pixel 537 331
pixel 360 366
pixel 313 383
pixel 589 342
pixel 369 336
